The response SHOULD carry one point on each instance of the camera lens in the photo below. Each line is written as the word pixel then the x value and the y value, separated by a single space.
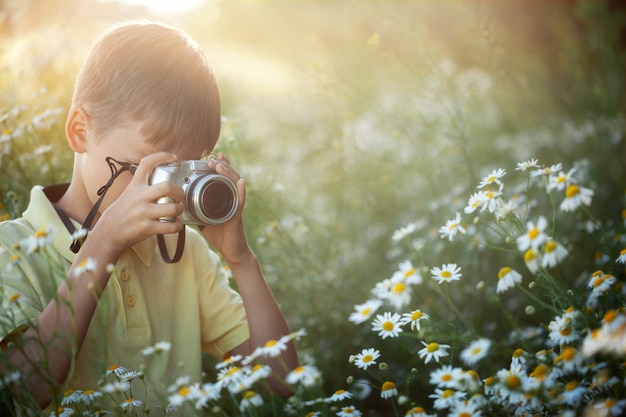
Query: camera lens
pixel 216 199
pixel 213 199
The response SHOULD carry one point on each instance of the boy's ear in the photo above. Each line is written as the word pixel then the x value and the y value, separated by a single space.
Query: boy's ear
pixel 76 127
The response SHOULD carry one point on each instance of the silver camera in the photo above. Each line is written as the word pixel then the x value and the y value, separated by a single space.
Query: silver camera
pixel 210 198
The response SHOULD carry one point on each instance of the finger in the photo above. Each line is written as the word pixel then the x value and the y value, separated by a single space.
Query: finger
pixel 241 189
pixel 148 163
pixel 168 189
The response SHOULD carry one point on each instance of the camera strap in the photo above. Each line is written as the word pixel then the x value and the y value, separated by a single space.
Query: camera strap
pixel 115 172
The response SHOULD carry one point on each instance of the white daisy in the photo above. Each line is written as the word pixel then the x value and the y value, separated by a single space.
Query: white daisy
pixel 532 259
pixel 507 278
pixel 447 377
pixel 476 201
pixel 545 171
pixel 622 257
pixel 527 165
pixel 576 195
pixel 130 403
pixel 41 238
pixel 493 177
pixel 476 351
pixel 553 254
pixel 560 181
pixel 534 235
pixel 365 311
pixel 447 398
pixel 408 273
pixel 404 231
pixel 159 347
pixel 349 411
pixel 338 395
pixel 388 390
pixel 414 317
pixel 433 351
pixel 307 375
pixel 387 325
pixel 447 272
pixel 250 399
pixel 86 265
pixel 451 228
pixel 366 358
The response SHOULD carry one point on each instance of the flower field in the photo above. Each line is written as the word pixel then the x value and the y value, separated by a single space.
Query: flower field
pixel 437 193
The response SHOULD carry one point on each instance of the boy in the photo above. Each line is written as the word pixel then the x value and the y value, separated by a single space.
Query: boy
pixel 145 97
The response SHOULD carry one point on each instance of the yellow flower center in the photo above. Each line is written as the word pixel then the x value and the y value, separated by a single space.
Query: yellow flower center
pixel 299 370
pixel 14 297
pixel 565 331
pixel 88 392
pixel 539 372
pixel 529 255
pixel 416 315
pixel 550 246
pixel 609 316
pixel 409 272
pixel 465 414
pixel 446 274
pixel 388 326
pixel 513 381
pixel 367 358
pixel 518 352
pixel 388 385
pixel 572 191
pixel 432 347
pixel 41 233
pixel 446 377
pixel 366 311
pixel 271 343
pixel 533 233
pixel 569 353
pixel 571 385
pixel 399 288
pixel 447 393
pixel 489 381
pixel 503 272
pixel 184 391
pixel 249 394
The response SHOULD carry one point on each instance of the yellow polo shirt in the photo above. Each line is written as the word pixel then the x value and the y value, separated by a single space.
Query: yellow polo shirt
pixel 188 304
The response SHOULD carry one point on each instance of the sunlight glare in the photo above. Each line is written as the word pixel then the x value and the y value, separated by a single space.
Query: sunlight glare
pixel 165 6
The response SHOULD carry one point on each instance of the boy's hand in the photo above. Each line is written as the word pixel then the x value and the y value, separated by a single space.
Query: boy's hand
pixel 134 215
pixel 229 238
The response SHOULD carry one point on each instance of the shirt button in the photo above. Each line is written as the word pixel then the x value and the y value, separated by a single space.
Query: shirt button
pixel 125 276
pixel 131 301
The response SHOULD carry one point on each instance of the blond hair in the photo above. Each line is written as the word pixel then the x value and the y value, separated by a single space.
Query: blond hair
pixel 155 74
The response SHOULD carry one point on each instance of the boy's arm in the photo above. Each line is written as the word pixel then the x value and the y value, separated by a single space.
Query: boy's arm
pixel 265 318
pixel 60 330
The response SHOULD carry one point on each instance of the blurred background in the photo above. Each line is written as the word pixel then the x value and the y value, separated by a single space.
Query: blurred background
pixel 351 119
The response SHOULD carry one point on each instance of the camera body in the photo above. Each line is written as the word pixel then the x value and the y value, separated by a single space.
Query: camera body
pixel 210 198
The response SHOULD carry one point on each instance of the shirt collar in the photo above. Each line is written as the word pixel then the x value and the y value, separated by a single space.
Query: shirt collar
pixel 41 213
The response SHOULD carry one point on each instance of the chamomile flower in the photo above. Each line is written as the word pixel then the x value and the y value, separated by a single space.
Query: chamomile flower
pixel 349 411
pixel 532 259
pixel 561 180
pixel 366 358
pixel 572 394
pixel 116 386
pixel 553 254
pixel 338 395
pixel 307 375
pixel 534 236
pixel 387 325
pixel 575 196
pixel 447 377
pixel 447 272
pixel 562 331
pixel 414 317
pixel 476 351
pixel 476 201
pixel 622 257
pixel 250 399
pixel 181 395
pixel 41 238
pixel 388 390
pixel 130 403
pixel 465 409
pixel 86 265
pixel 493 177
pixel 408 273
pixel 527 165
pixel 417 412
pixel 545 171
pixel 364 311
pixel 62 412
pixel 433 351
pixel 404 231
pixel 159 347
pixel 271 349
pixel 447 398
pixel 611 407
pixel 395 290
pixel 507 278
pixel 451 228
